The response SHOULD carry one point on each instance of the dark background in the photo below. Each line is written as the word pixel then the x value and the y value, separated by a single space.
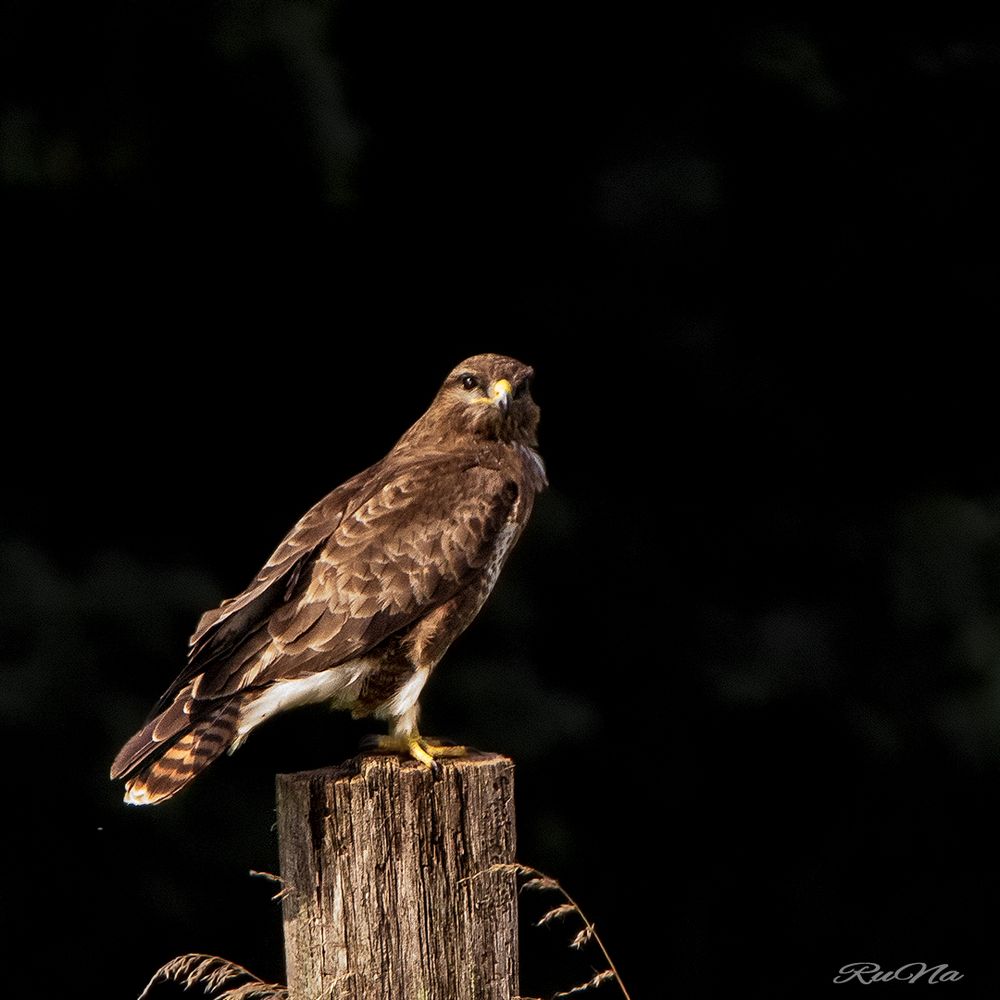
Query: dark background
pixel 747 656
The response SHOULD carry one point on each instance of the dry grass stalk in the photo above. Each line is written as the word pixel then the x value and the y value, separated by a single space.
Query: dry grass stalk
pixel 536 880
pixel 601 977
pixel 282 892
pixel 213 974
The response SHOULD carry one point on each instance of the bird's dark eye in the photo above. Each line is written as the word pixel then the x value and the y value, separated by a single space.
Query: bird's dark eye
pixel 522 388
pixel 469 382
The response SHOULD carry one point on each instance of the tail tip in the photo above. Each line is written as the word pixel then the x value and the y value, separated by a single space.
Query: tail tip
pixel 138 793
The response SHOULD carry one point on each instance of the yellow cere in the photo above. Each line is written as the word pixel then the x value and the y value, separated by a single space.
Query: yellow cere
pixel 501 388
pixel 498 390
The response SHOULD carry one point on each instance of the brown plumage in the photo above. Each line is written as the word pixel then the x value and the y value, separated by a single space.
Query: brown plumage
pixel 366 593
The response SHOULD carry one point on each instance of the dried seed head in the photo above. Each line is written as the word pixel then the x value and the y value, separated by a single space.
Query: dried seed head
pixel 541 883
pixel 601 977
pixel 556 912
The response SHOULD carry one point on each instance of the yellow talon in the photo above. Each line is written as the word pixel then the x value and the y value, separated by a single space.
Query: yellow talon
pixel 443 749
pixel 420 748
pixel 417 750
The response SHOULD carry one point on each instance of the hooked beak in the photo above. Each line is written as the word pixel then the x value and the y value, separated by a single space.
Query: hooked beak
pixel 501 393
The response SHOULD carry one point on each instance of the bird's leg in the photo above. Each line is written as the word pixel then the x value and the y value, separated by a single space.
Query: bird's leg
pixel 404 738
pixel 419 747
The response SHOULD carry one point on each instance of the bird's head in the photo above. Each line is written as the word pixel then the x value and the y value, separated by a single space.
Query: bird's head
pixel 490 395
pixel 487 396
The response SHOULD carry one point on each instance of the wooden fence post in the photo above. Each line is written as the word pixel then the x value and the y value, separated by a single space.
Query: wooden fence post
pixel 385 893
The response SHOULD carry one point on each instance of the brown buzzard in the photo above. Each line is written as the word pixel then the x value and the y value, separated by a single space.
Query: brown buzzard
pixel 366 593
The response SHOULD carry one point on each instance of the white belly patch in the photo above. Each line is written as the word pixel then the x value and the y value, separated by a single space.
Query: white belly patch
pixel 339 685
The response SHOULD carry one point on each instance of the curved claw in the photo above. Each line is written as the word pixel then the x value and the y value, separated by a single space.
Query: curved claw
pixel 416 746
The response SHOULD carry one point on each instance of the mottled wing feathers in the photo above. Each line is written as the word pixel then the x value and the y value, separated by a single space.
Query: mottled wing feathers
pixel 236 630
pixel 220 626
pixel 410 544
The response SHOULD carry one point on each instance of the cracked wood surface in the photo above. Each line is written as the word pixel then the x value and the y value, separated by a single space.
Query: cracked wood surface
pixel 388 896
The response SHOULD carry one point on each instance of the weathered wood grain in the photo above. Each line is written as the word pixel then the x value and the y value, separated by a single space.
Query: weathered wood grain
pixel 386 897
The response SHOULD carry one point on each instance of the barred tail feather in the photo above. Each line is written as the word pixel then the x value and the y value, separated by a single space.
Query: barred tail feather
pixel 183 751
pixel 156 736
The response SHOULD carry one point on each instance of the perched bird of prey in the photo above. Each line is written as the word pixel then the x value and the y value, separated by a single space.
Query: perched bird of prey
pixel 366 593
